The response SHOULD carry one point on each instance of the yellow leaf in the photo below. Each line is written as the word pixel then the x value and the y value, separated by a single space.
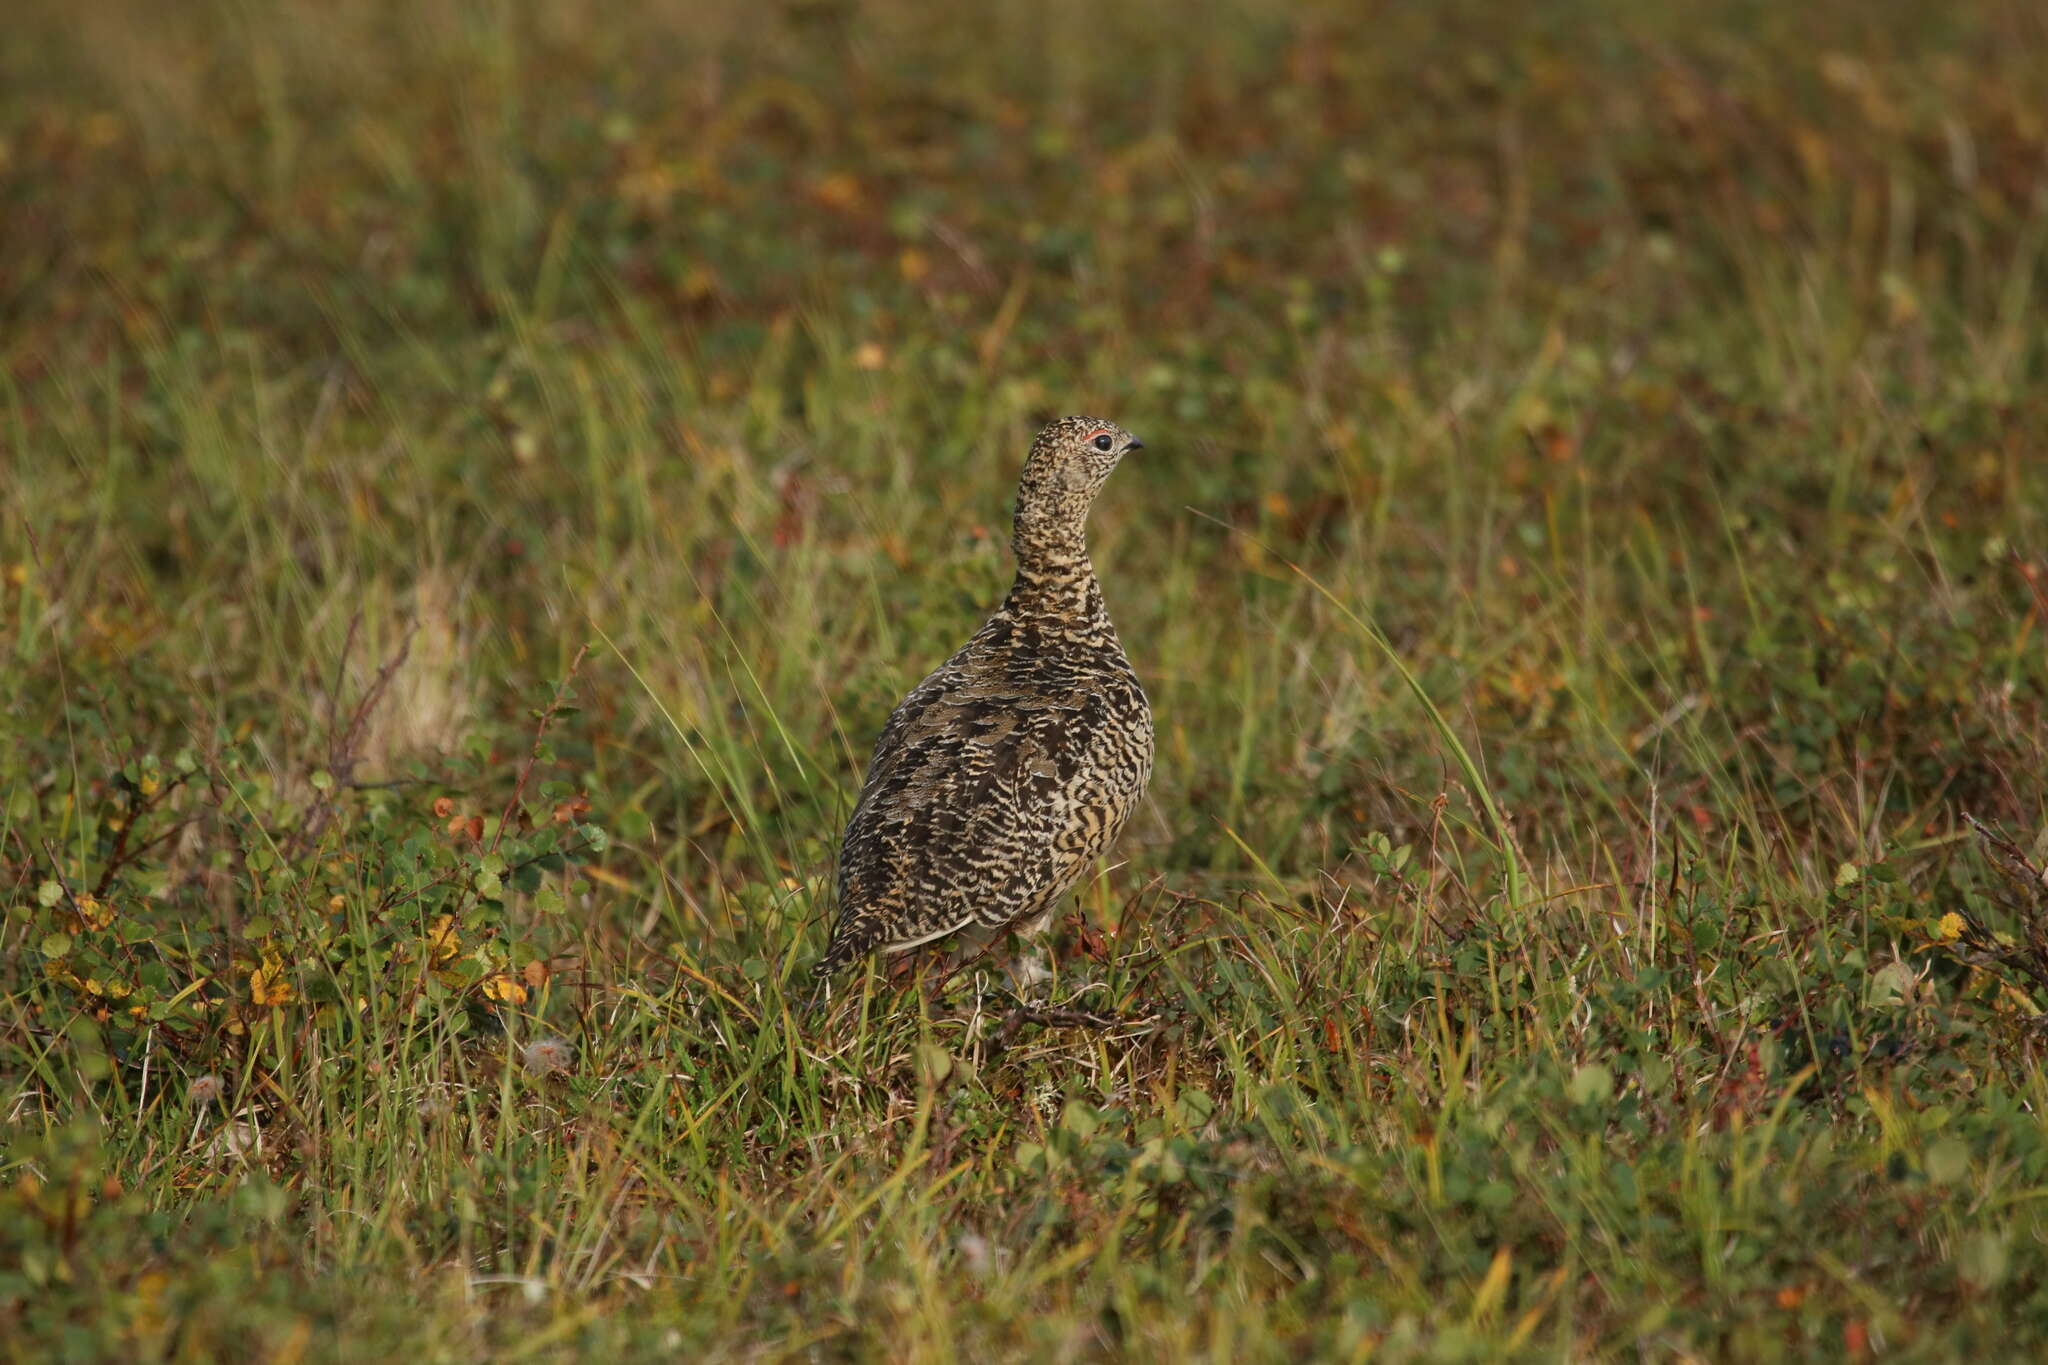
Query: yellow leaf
pixel 838 190
pixel 1949 928
pixel 442 940
pixel 502 987
pixel 1494 1287
pixel 267 985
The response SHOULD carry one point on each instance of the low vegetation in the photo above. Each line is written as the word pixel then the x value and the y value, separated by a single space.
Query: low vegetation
pixel 477 475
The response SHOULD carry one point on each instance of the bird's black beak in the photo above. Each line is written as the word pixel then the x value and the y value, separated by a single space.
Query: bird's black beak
pixel 1135 444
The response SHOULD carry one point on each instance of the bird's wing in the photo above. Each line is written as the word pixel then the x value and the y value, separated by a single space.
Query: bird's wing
pixel 961 816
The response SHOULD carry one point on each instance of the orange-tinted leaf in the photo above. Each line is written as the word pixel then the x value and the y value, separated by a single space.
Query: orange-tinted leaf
pixel 502 987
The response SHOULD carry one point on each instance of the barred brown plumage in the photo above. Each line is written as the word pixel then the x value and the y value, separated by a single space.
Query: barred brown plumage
pixel 1010 769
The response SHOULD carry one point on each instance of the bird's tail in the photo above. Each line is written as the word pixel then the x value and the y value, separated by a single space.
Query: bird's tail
pixel 851 941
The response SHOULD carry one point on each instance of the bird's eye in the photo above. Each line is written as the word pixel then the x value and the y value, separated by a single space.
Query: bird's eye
pixel 1102 441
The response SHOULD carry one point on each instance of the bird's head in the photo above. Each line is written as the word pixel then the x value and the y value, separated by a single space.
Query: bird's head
pixel 1068 464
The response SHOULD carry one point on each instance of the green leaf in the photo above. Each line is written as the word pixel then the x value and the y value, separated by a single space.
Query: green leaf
pixel 56 945
pixel 49 893
pixel 548 900
pixel 1947 1161
pixel 934 1063
pixel 1080 1120
pixel 595 836
pixel 1592 1084
pixel 322 780
pixel 1982 1260
pixel 1159 1162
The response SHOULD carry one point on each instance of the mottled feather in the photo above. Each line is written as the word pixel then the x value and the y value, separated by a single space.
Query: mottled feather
pixel 1015 764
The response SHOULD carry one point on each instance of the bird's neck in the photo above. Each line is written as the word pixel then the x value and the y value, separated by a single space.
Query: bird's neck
pixel 1054 575
pixel 1067 589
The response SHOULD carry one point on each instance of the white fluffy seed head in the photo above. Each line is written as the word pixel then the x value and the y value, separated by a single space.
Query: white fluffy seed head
pixel 545 1056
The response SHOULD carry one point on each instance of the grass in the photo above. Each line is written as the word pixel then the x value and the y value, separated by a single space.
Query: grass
pixel 1586 560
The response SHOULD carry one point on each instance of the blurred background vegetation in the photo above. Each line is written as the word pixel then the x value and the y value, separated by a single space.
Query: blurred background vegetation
pixel 1661 387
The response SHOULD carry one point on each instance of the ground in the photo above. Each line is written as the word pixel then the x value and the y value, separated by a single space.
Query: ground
pixel 478 474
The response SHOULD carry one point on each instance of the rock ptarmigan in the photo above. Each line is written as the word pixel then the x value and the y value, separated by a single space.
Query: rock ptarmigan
pixel 1009 770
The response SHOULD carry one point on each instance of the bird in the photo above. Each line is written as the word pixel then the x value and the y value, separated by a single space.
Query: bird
pixel 1014 765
